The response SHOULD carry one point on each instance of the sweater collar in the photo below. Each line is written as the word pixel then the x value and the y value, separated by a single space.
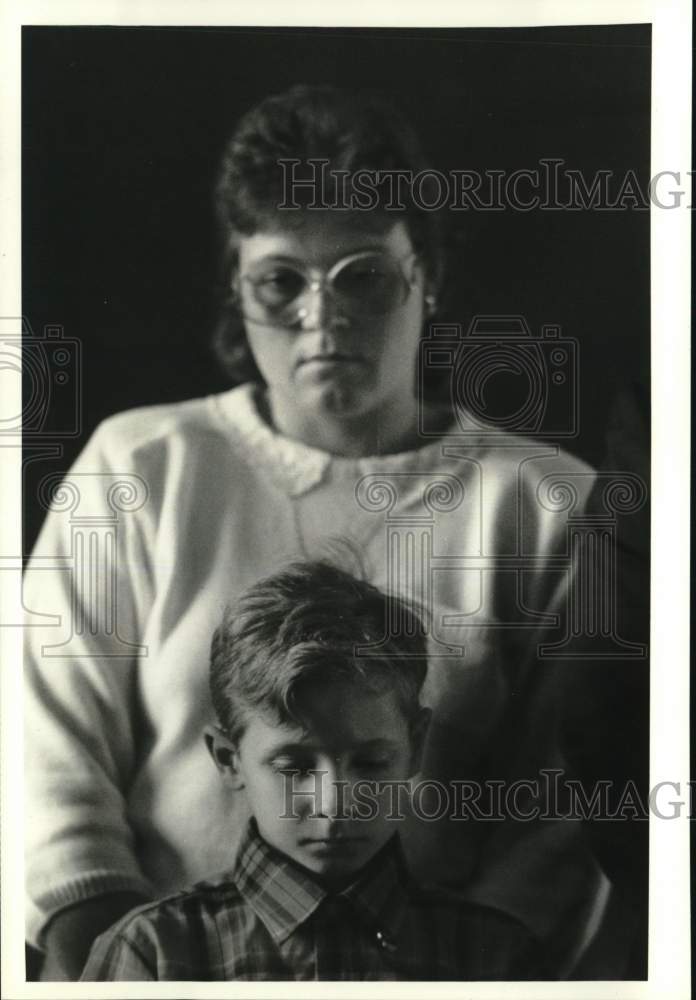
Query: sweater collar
pixel 297 467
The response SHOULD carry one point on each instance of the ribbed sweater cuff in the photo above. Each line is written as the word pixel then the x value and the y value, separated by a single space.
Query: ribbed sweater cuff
pixel 85 886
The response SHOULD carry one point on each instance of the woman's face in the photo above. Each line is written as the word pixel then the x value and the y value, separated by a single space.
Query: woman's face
pixel 333 359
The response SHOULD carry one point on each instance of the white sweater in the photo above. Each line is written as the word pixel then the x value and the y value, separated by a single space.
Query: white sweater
pixel 121 792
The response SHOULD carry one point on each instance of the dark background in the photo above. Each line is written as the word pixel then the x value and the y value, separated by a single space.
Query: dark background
pixel 122 133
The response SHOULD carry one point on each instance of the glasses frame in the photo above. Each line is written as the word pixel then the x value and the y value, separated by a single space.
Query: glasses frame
pixel 320 280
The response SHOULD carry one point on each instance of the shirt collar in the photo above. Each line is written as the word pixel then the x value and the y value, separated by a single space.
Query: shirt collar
pixel 283 895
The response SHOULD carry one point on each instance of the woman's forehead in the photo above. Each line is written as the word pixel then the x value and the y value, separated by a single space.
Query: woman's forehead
pixel 319 239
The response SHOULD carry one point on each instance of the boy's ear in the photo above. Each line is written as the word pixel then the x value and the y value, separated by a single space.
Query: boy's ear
pixel 225 755
pixel 419 732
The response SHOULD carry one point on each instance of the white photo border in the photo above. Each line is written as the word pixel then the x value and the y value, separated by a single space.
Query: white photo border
pixel 669 945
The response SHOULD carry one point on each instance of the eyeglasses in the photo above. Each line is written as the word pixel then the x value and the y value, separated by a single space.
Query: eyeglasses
pixel 362 286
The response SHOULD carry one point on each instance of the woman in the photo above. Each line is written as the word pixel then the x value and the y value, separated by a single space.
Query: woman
pixel 321 442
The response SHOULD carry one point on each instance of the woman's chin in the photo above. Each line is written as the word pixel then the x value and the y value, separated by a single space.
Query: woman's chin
pixel 339 397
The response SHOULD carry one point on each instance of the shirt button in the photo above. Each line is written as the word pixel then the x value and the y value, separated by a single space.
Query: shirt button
pixel 384 943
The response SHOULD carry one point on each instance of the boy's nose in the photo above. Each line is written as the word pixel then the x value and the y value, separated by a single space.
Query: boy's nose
pixel 332 793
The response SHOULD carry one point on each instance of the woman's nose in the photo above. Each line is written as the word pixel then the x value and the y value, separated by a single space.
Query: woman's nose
pixel 317 310
pixel 313 307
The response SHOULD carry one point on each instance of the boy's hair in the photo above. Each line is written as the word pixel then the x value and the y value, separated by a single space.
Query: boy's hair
pixel 352 130
pixel 302 625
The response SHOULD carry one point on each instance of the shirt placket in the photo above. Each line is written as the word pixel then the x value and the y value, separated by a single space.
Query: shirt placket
pixel 345 949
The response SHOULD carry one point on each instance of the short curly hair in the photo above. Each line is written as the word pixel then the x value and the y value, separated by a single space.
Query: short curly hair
pixel 305 624
pixel 352 130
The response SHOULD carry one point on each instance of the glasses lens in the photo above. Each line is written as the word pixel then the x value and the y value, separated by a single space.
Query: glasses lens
pixel 370 285
pixel 276 287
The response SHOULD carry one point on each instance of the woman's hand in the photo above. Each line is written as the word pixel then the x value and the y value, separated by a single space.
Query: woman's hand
pixel 70 933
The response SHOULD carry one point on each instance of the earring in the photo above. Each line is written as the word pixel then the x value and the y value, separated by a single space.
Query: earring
pixel 431 304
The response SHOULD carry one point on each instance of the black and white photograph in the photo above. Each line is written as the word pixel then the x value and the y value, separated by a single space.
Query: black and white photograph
pixel 346 411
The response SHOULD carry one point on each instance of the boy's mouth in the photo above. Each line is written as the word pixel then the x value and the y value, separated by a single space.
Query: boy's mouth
pixel 343 847
pixel 334 841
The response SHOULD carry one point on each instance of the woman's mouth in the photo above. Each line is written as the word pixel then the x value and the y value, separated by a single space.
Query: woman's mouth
pixel 329 367
pixel 331 359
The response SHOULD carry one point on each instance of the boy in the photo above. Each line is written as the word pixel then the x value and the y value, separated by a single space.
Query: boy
pixel 319 735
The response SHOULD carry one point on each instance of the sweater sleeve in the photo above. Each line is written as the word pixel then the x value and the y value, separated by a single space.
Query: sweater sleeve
pixel 88 581
pixel 536 865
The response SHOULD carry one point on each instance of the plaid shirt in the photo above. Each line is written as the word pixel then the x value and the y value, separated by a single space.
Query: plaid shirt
pixel 272 921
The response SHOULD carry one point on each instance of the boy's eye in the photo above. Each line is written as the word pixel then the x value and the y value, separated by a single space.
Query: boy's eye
pixel 372 763
pixel 288 765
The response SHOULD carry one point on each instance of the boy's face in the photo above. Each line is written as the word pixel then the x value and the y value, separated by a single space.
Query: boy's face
pixel 303 781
